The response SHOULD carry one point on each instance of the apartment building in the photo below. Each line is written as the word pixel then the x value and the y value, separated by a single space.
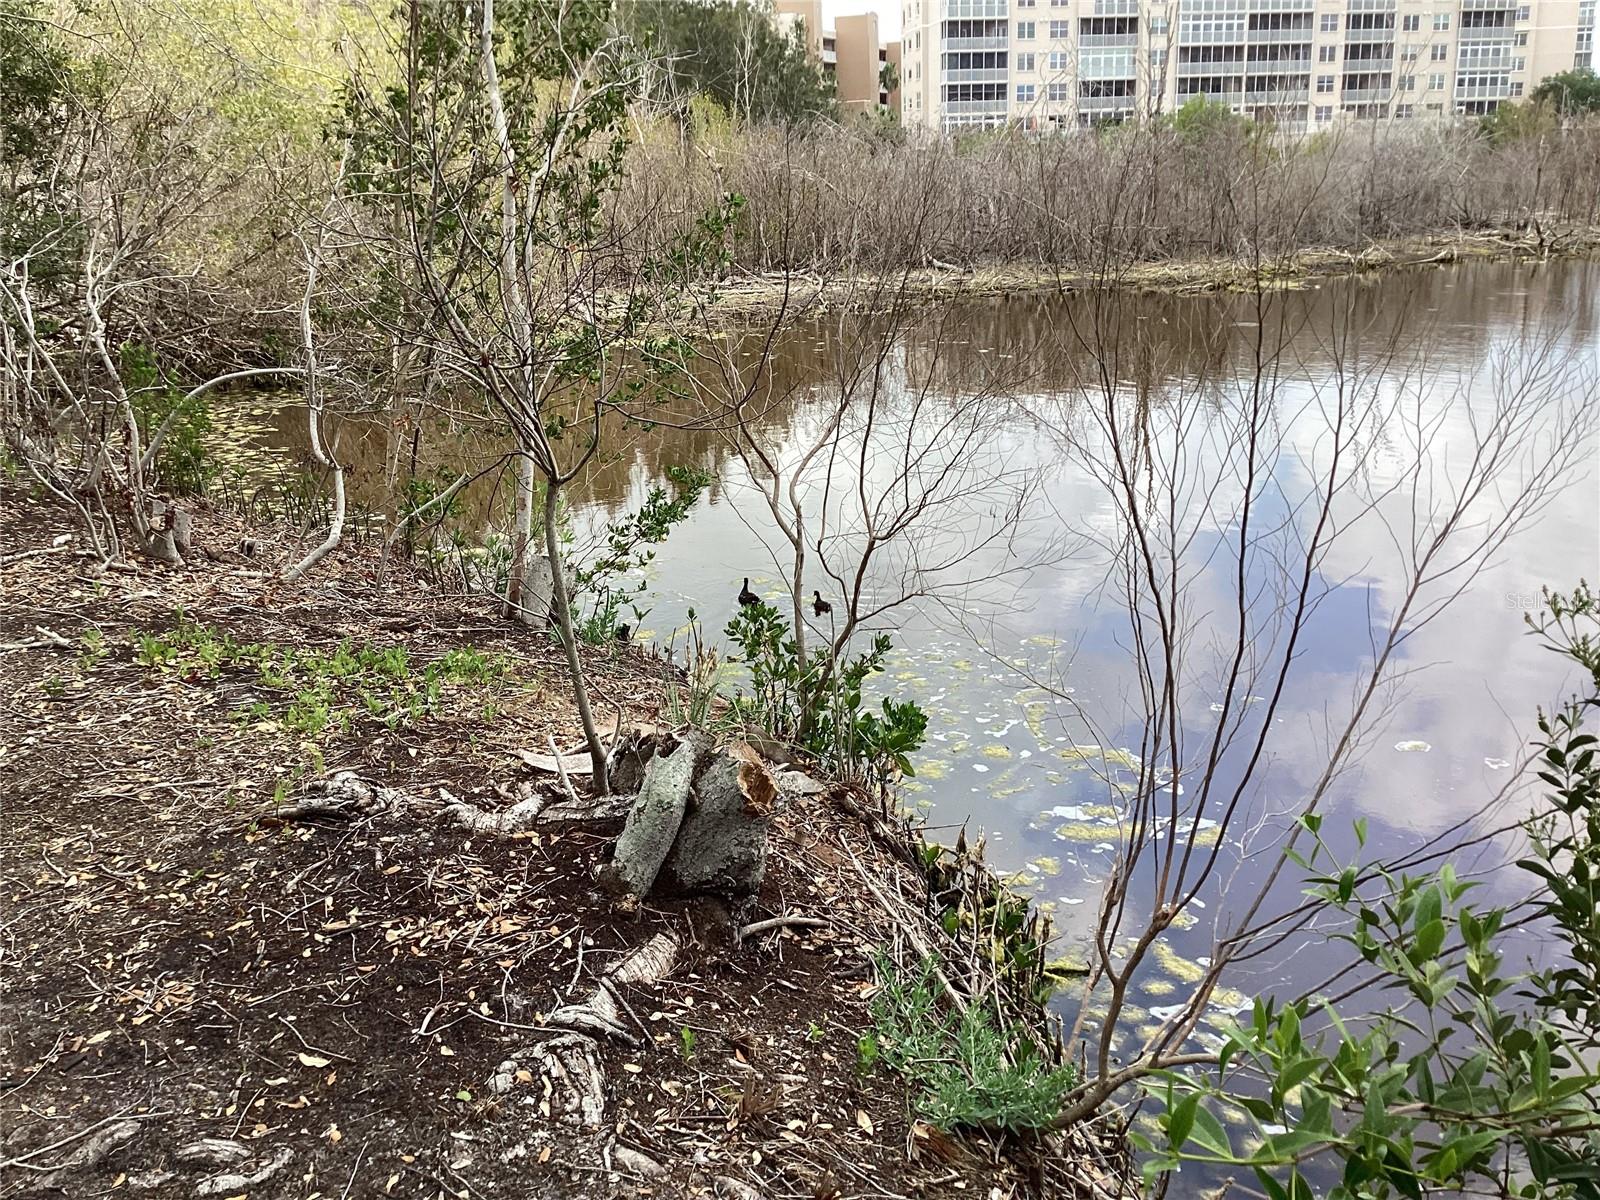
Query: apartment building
pixel 1301 63
pixel 851 53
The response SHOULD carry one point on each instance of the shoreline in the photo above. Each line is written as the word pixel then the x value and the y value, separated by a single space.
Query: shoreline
pixel 758 295
pixel 279 992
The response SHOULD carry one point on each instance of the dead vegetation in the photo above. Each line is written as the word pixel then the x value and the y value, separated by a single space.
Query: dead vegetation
pixel 245 959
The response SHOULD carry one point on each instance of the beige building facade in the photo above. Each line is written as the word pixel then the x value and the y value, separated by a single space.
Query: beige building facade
pixel 850 52
pixel 1305 64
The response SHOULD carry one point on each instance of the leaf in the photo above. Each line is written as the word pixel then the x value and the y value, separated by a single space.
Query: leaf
pixel 1181 1120
pixel 312 1060
pixel 864 1122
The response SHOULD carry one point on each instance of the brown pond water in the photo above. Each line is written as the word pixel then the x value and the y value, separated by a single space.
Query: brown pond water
pixel 1018 760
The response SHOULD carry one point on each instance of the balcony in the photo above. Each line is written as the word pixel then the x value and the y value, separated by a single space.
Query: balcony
pixel 1483 91
pixel 985 75
pixel 1107 104
pixel 976 43
pixel 1285 95
pixel 1485 33
pixel 1366 95
pixel 1368 66
pixel 1108 41
pixel 961 108
pixel 1489 6
pixel 1493 62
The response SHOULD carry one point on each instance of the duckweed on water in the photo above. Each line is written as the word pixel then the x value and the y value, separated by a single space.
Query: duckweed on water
pixel 1046 865
pixel 1185 970
pixel 997 752
pixel 1083 831
pixel 1159 987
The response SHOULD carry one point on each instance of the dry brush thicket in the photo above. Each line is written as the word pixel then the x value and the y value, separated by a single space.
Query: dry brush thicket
pixel 827 195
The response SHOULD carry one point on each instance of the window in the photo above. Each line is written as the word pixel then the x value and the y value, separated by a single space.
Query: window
pixel 1324 83
pixel 1025 93
pixel 1408 52
pixel 1330 23
pixel 1158 26
pixel 1324 113
pixel 1439 53
pixel 1519 64
pixel 1411 22
pixel 1158 58
pixel 1025 62
pixel 1441 22
pixel 1027 3
pixel 1024 31
pixel 1524 11
pixel 1060 30
pixel 1405 111
pixel 1516 88
pixel 1522 38
pixel 1327 54
pixel 1408 83
pixel 1056 60
pixel 1435 83
pixel 1056 92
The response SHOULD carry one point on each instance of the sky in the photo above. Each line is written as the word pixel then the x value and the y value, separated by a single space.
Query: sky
pixel 888 14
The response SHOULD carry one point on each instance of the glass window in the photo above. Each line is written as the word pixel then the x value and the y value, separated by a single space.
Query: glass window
pixel 1025 62
pixel 1060 30
pixel 1025 31
pixel 1524 11
pixel 1412 22
pixel 1057 60
pixel 1324 83
pixel 1441 21
pixel 1440 53
pixel 1327 54
pixel 1056 92
pixel 1024 93
pixel 1330 22
pixel 1324 113
pixel 1435 83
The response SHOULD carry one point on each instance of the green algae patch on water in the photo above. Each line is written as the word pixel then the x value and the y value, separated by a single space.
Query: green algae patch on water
pixel 1185 970
pixel 1086 755
pixel 932 769
pixel 997 751
pixel 1046 865
pixel 1086 831
pixel 1158 988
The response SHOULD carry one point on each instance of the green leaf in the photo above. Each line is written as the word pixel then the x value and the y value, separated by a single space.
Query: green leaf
pixel 1181 1120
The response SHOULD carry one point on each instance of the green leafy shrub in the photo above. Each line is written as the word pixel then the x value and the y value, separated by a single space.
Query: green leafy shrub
pixel 182 462
pixel 821 709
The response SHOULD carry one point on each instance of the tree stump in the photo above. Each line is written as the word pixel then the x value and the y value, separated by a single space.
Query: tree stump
pixel 699 822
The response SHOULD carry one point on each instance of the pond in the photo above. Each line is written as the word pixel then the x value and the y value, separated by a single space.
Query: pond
pixel 1024 658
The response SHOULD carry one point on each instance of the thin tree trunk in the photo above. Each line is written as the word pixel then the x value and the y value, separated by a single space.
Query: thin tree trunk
pixel 516 603
pixel 569 638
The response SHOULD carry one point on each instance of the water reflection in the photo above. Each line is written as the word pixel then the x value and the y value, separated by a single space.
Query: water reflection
pixel 1013 756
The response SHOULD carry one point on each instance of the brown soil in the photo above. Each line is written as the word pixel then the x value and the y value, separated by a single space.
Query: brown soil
pixel 342 993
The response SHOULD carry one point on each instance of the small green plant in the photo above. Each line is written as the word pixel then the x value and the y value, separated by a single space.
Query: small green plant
pixel 813 1032
pixel 55 687
pixel 691 701
pixel 94 648
pixel 686 1043
pixel 960 1069
pixel 153 650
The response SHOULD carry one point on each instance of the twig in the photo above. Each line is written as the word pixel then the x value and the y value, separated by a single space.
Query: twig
pixel 759 927
pixel 82 1133
pixel 561 768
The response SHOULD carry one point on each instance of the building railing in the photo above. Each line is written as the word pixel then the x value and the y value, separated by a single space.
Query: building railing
pixel 1279 96
pixel 1108 41
pixel 1486 33
pixel 1368 35
pixel 1366 95
pixel 954 45
pixel 986 75
pixel 1483 91
pixel 1368 66
pixel 958 108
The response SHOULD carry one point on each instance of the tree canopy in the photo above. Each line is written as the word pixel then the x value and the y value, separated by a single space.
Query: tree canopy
pixel 1571 92
pixel 735 52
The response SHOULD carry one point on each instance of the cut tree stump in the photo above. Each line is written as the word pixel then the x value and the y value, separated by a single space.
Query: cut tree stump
pixel 699 822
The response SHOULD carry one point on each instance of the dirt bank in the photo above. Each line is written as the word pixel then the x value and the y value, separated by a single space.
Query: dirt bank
pixel 756 296
pixel 205 995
